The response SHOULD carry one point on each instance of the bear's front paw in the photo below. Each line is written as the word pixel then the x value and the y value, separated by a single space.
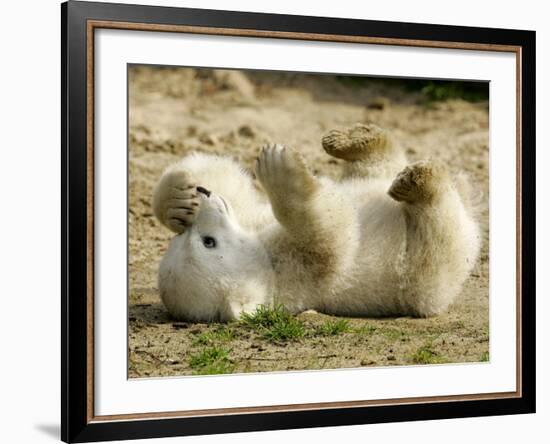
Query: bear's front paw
pixel 283 172
pixel 176 201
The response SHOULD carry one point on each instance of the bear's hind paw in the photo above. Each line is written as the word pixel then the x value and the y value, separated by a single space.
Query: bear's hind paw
pixel 419 182
pixel 358 142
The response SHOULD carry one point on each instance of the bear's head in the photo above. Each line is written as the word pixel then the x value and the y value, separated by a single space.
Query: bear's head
pixel 215 269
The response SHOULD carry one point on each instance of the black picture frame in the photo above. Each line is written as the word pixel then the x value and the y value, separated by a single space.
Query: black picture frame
pixel 77 424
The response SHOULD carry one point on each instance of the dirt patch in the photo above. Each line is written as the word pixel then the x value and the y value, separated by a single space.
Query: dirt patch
pixel 175 111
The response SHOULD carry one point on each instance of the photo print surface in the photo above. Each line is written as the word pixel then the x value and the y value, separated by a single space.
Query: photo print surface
pixel 284 221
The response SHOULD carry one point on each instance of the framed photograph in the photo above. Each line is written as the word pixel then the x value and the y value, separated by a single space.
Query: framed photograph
pixel 276 221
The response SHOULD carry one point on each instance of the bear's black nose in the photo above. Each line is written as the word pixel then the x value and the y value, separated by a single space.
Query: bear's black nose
pixel 204 191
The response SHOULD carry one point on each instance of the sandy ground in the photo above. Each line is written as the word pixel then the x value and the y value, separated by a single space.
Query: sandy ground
pixel 178 110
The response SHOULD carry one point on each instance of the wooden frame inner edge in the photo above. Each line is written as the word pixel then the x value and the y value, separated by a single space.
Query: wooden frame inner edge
pixel 90 28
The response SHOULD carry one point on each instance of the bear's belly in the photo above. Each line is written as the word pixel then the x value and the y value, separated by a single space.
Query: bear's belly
pixel 375 284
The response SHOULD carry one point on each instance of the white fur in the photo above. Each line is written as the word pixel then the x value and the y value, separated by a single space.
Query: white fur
pixel 344 248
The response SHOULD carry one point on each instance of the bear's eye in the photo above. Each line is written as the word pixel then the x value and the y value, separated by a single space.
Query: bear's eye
pixel 209 242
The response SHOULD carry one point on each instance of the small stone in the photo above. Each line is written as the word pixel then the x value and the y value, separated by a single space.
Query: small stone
pixel 180 325
pixel 379 103
pixel 246 131
pixel 209 139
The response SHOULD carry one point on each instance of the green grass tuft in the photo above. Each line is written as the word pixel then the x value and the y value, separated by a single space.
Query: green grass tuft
pixel 293 329
pixel 274 323
pixel 392 334
pixel 266 316
pixel 484 357
pixel 366 329
pixel 332 328
pixel 220 334
pixel 211 361
pixel 426 355
pixel 389 332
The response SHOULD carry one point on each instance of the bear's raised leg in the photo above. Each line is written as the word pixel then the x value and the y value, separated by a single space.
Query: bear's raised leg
pixel 321 225
pixel 175 198
pixel 442 239
pixel 369 151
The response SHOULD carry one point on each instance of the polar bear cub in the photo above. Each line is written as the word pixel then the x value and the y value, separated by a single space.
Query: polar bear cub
pixel 386 239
